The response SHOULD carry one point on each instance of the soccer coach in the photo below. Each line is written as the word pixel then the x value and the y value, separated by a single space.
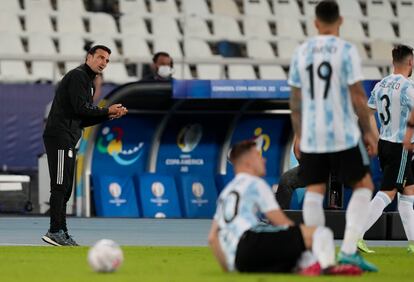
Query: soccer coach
pixel 72 110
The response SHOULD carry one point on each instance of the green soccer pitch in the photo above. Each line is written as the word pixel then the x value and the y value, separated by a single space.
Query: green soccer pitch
pixel 159 264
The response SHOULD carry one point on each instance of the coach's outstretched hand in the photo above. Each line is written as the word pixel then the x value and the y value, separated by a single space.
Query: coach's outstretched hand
pixel 117 111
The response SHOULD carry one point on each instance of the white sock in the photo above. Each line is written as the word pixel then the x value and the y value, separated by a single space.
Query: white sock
pixel 376 207
pixel 405 207
pixel 313 214
pixel 323 246
pixel 356 218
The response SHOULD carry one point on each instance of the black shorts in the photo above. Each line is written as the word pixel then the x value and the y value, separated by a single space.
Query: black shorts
pixel 349 166
pixel 395 164
pixel 272 249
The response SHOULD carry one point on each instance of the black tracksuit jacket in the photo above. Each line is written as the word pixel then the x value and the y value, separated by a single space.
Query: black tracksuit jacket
pixel 72 108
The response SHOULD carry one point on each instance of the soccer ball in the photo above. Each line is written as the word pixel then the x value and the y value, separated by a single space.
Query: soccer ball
pixel 105 256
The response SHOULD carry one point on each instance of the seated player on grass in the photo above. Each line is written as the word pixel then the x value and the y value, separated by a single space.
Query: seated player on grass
pixel 240 242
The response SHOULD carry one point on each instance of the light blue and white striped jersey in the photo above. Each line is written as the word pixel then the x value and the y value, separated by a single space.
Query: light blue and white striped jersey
pixel 323 67
pixel 238 209
pixel 393 98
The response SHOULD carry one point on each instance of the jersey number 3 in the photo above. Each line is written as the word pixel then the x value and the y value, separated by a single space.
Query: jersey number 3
pixel 325 73
pixel 386 106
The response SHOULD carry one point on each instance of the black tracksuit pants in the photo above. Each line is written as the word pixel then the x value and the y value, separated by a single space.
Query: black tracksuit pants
pixel 61 156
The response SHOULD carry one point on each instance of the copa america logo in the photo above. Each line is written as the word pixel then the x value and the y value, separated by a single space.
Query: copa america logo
pixel 157 189
pixel 198 189
pixel 115 190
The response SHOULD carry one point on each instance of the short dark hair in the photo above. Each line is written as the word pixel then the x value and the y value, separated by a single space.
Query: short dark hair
pixel 93 49
pixel 162 54
pixel 327 11
pixel 241 148
pixel 401 52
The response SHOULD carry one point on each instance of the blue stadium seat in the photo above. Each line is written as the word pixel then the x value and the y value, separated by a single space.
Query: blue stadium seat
pixel 198 195
pixel 114 196
pixel 158 196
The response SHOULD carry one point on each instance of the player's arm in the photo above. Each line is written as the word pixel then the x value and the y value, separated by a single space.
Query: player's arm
pixel 409 132
pixel 359 101
pixel 214 244
pixel 278 217
pixel 295 104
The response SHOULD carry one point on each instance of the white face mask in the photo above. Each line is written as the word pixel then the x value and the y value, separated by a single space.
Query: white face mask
pixel 165 71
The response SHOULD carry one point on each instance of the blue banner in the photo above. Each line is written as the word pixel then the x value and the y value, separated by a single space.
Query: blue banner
pixel 231 89
pixel 239 89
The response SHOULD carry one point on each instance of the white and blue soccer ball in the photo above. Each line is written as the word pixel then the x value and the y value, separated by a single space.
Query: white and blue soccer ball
pixel 105 256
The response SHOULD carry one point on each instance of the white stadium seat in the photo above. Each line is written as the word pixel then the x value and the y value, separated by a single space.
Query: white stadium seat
pixel 102 23
pixel 210 71
pixel 289 28
pixel 283 8
pixel 169 45
pixel 42 44
pixel 381 29
pixel 134 46
pixel 241 72
pixel 165 27
pixel 256 27
pixel 259 49
pixel 371 73
pixel 379 9
pixel 133 7
pixel 350 9
pixel 196 28
pixel 107 41
pixel 271 72
pixel 10 6
pixel 39 22
pixel 286 48
pixel 405 28
pixel 257 8
pixel 405 9
pixel 133 25
pixel 351 29
pixel 67 23
pixel 12 70
pixel 9 22
pixel 381 50
pixel 182 71
pixel 225 8
pixel 70 6
pixel 195 7
pixel 165 7
pixel 39 5
pixel 226 28
pixel 195 48
pixel 116 72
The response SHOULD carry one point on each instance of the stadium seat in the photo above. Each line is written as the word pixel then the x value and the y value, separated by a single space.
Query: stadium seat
pixel 226 28
pixel 71 45
pixel 158 196
pixel 379 9
pixel 12 70
pixel 405 28
pixel 286 48
pixel 9 22
pixel 106 40
pixel 309 7
pixel 310 27
pixel 134 46
pixel 42 45
pixel 195 7
pixel 281 8
pixel 259 49
pixel 102 23
pixel 137 7
pixel 289 28
pixel 10 6
pixel 361 50
pixel 381 29
pixel 198 195
pixel 195 48
pixel 70 23
pixel 38 5
pixel 271 72
pixel 371 73
pixel 259 8
pixel 350 9
pixel 115 196
pixel 225 8
pixel 165 27
pixel 133 25
pixel 39 22
pixel 168 45
pixel 70 7
pixel 255 27
pixel 241 72
pixel 381 50
pixel 405 9
pixel 164 7
pixel 116 72
pixel 196 28
pixel 182 71
pixel 210 71
pixel 351 29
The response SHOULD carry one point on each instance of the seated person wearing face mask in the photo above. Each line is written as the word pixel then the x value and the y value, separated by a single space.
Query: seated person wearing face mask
pixel 161 68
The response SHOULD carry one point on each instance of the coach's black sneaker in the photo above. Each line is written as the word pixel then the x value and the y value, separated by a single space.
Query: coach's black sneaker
pixel 56 238
pixel 70 239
